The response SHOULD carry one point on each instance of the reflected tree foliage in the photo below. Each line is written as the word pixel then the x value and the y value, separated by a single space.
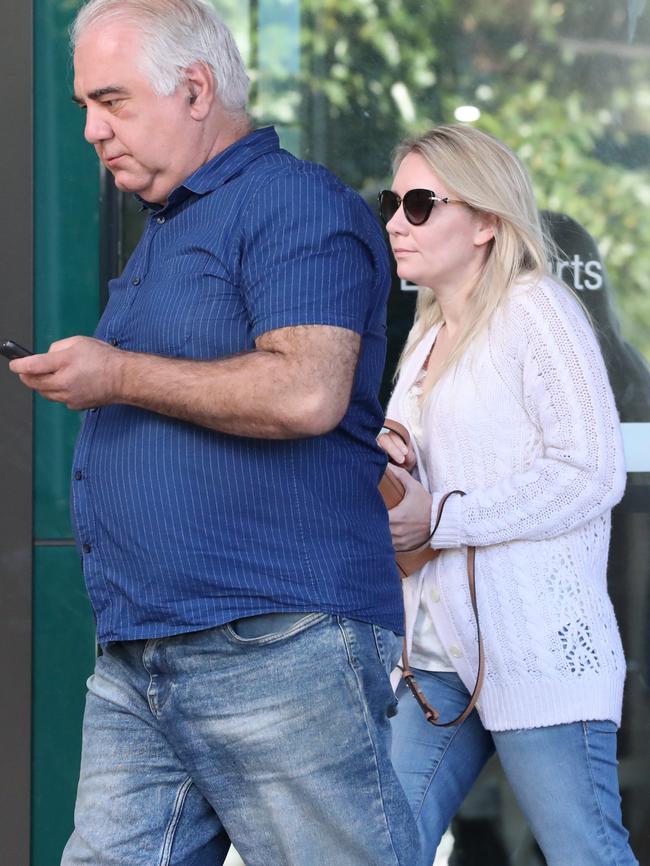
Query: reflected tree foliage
pixel 567 85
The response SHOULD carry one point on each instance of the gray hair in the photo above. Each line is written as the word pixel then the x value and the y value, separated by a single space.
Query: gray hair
pixel 175 34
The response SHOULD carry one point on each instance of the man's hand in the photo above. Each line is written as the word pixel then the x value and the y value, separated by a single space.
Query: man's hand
pixel 297 382
pixel 410 521
pixel 80 371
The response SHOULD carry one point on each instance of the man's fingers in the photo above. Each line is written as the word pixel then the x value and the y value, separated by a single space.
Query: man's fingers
pixel 34 380
pixel 38 365
pixel 52 396
pixel 59 345
pixel 35 365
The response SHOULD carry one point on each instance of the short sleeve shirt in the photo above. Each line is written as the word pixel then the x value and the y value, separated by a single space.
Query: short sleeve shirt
pixel 182 528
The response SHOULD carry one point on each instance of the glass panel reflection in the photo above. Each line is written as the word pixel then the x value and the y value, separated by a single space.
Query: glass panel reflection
pixel 567 85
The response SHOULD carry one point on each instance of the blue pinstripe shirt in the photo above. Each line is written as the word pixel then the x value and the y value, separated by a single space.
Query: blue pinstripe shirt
pixel 182 528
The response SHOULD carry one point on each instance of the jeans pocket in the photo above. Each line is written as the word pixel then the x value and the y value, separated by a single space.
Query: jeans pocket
pixel 389 647
pixel 266 628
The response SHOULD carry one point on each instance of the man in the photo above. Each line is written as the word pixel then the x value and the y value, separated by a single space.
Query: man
pixel 225 503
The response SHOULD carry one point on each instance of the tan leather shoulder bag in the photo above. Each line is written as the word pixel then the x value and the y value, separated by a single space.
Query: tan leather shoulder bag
pixel 409 561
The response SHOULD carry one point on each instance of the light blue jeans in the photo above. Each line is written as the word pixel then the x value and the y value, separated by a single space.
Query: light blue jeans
pixel 272 731
pixel 564 777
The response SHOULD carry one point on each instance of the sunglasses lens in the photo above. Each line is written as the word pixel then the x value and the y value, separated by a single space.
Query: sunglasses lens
pixel 389 203
pixel 418 204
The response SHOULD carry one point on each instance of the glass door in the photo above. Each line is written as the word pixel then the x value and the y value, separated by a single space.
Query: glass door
pixel 567 85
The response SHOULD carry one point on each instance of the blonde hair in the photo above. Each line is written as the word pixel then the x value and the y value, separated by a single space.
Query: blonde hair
pixel 489 177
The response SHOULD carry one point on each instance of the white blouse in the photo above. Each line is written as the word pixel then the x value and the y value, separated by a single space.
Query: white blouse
pixel 427 651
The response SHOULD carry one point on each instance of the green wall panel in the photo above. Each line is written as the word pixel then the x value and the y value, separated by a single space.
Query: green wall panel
pixel 66 302
pixel 66 299
pixel 64 653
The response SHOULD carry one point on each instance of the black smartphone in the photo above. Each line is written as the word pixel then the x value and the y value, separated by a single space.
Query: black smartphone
pixel 12 350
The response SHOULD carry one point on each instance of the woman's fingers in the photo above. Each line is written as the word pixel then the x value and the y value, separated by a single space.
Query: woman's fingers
pixel 394 447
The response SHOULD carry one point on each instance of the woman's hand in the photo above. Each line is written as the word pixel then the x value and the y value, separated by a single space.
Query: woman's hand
pixel 410 521
pixel 397 451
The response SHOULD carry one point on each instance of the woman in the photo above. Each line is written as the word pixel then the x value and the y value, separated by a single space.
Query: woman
pixel 504 392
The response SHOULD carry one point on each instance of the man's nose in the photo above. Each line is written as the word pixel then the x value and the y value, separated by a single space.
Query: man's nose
pixel 97 127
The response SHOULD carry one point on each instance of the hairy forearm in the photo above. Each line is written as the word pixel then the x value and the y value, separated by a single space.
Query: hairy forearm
pixel 296 382
pixel 260 394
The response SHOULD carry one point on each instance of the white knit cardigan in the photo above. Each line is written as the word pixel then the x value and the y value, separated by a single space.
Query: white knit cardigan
pixel 526 425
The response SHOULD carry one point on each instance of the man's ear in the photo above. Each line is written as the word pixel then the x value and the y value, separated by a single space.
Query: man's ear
pixel 485 229
pixel 200 90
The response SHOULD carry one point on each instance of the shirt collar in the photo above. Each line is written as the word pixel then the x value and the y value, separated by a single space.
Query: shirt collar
pixel 222 167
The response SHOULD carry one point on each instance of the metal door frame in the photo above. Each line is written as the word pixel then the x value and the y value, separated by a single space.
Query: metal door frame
pixel 16 317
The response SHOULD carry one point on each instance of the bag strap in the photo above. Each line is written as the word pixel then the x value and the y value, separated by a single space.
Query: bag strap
pixel 431 714
pixel 399 429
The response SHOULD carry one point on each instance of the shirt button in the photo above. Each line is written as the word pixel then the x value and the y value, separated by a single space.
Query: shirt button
pixel 435 595
pixel 160 219
pixel 113 341
pixel 136 281
pixel 78 475
pixel 455 651
pixel 87 548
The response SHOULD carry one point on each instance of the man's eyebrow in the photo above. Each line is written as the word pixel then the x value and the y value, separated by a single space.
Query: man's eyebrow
pixel 94 95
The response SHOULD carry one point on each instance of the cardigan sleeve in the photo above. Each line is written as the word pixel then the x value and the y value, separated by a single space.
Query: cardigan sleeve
pixel 580 472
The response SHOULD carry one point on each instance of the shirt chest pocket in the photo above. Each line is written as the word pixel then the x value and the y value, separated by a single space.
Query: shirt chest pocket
pixel 198 316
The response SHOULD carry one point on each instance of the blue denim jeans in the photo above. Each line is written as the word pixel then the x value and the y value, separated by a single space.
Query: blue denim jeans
pixel 564 777
pixel 272 732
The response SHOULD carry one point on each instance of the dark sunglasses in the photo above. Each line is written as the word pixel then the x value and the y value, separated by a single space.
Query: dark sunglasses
pixel 418 204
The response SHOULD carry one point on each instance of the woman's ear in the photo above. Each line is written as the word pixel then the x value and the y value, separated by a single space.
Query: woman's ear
pixel 485 228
